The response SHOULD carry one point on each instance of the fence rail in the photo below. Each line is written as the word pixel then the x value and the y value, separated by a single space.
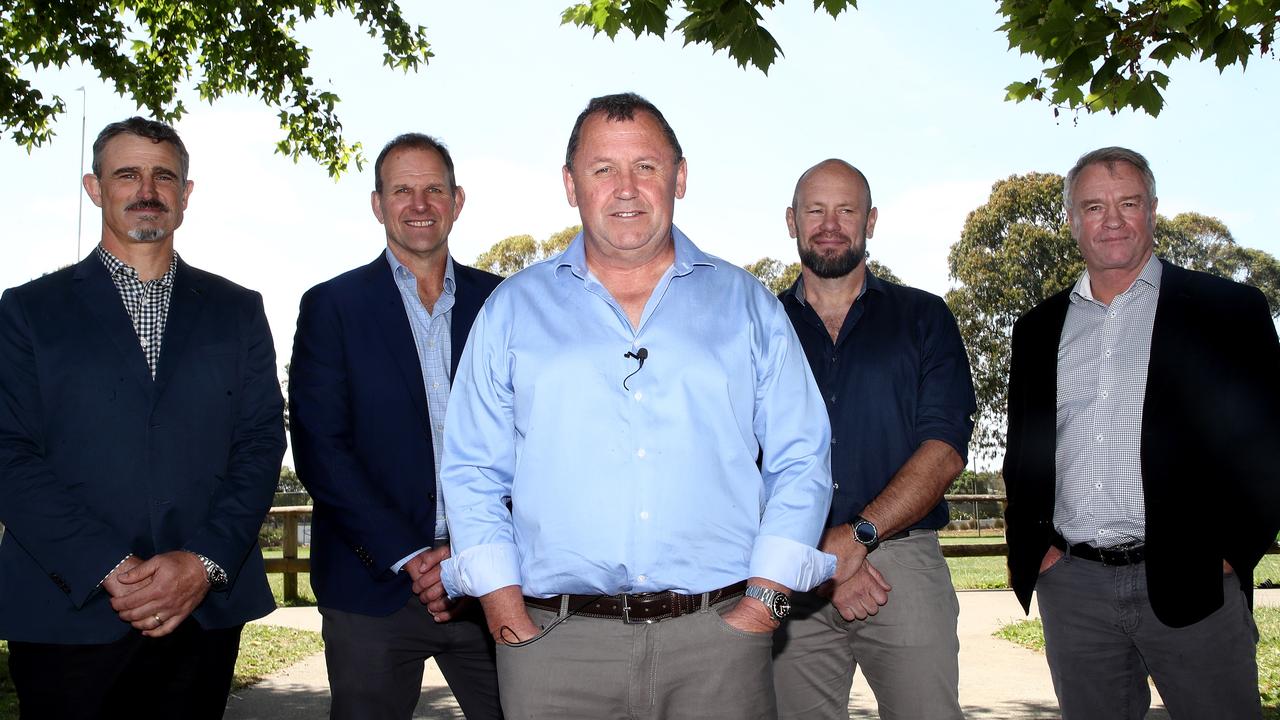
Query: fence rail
pixel 290 564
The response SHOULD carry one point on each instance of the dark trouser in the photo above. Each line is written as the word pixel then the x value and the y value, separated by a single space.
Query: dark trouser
pixel 695 666
pixel 908 651
pixel 376 663
pixel 1103 641
pixel 185 674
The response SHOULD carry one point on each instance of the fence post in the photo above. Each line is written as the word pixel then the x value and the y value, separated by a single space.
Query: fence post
pixel 290 552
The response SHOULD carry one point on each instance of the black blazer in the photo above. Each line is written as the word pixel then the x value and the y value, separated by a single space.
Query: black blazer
pixel 98 460
pixel 1210 441
pixel 362 431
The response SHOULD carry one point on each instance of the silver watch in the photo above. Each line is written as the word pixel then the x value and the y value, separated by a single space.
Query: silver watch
pixel 214 573
pixel 778 603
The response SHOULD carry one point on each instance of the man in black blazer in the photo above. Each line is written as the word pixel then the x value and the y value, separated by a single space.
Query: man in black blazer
pixel 141 433
pixel 369 382
pixel 1141 465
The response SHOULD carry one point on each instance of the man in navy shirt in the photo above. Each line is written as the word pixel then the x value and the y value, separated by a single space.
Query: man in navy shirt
pixel 893 372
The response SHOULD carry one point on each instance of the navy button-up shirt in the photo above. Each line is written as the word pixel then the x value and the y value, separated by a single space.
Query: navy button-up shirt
pixel 896 376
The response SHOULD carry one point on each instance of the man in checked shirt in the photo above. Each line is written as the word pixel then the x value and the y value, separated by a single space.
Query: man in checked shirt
pixel 141 432
pixel 1141 466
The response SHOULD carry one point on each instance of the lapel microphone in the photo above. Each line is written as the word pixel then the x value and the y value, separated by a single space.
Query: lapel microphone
pixel 642 354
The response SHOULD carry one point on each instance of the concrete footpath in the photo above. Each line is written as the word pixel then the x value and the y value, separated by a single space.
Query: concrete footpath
pixel 997 679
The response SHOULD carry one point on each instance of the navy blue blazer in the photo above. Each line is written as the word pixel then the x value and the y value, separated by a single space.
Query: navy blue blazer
pixel 97 460
pixel 361 431
pixel 1210 441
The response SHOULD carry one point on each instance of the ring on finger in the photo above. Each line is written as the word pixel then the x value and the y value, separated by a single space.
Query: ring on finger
pixel 159 620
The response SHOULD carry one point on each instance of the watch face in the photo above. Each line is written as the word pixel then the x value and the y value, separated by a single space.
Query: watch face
pixel 781 606
pixel 865 532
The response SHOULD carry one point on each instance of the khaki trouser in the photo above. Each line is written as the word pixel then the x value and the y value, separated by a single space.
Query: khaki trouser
pixel 908 651
pixel 695 666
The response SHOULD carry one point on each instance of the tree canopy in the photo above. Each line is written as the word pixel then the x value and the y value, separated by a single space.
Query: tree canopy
pixel 148 49
pixel 1098 55
pixel 513 254
pixel 1017 250
pixel 1104 55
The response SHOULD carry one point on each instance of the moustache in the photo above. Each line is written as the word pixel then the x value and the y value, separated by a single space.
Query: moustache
pixel 148 205
pixel 831 236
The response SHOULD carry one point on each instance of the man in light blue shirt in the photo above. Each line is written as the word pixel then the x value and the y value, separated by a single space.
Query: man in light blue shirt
pixel 600 464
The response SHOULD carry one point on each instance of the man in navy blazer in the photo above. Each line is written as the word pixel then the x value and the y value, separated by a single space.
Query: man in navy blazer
pixel 1141 465
pixel 141 433
pixel 373 360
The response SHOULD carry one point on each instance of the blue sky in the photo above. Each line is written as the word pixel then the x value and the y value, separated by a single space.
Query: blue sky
pixel 915 99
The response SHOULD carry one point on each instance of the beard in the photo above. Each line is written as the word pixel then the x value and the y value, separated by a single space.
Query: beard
pixel 832 266
pixel 146 235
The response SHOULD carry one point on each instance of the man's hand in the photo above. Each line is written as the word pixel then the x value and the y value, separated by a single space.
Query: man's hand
pixel 509 621
pixel 428 586
pixel 850 554
pixel 1051 558
pixel 162 592
pixel 861 595
pixel 112 584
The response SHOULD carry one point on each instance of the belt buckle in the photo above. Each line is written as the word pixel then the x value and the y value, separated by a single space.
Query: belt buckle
pixel 626 614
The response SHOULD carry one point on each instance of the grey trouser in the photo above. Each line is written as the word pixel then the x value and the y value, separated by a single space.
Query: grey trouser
pixel 695 666
pixel 1102 641
pixel 908 651
pixel 375 663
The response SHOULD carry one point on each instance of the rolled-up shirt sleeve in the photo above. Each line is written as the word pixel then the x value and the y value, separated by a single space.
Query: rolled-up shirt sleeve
pixel 795 439
pixel 478 466
pixel 946 399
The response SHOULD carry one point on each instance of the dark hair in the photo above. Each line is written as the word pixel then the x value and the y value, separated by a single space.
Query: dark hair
pixel 414 141
pixel 153 130
pixel 622 106
pixel 1108 156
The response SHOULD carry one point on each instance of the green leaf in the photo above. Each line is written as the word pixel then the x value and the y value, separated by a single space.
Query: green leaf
pixel 1169 51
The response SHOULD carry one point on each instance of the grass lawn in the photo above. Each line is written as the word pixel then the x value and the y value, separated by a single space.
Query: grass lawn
pixel 276 580
pixel 1030 634
pixel 976 573
pixel 263 650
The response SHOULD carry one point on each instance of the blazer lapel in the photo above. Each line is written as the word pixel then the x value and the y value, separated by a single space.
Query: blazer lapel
pixel 387 310
pixel 185 302
pixel 99 294
pixel 466 303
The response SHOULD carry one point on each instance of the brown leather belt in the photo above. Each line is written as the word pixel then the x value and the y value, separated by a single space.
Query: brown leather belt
pixel 638 607
pixel 1112 556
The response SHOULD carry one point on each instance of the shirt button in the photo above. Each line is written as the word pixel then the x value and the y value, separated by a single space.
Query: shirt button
pixel 1098 486
pixel 1107 353
pixel 431 344
pixel 1098 438
pixel 640 453
pixel 639 396
pixel 1105 393
pixel 145 342
pixel 644 514
pixel 1111 314
pixel 435 386
pixel 642 578
pixel 440 428
pixel 835 486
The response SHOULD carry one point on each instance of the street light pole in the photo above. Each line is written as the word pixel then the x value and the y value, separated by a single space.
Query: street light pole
pixel 84 102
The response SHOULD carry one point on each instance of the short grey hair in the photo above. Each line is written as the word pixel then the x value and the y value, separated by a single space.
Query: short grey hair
pixel 1109 156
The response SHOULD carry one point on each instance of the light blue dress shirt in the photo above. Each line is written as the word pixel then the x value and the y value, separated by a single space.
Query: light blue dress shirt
pixel 643 488
pixel 433 342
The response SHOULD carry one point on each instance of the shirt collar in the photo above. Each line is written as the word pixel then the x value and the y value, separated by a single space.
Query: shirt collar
pixel 402 273
pixel 1149 276
pixel 687 255
pixel 115 266
pixel 871 282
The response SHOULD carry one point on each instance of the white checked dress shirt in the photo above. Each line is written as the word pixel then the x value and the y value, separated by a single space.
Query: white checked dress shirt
pixel 1102 381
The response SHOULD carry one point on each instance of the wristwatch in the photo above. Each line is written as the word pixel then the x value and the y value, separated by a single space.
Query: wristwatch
pixel 865 532
pixel 778 603
pixel 214 573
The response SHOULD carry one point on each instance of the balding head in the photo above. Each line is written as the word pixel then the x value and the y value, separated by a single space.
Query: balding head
pixel 836 169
